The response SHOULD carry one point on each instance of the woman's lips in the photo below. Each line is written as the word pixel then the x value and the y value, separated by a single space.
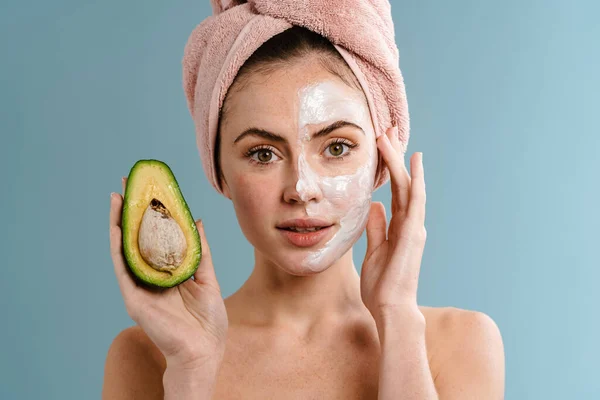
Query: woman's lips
pixel 305 239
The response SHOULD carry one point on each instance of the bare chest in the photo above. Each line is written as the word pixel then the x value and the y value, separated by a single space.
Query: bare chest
pixel 333 371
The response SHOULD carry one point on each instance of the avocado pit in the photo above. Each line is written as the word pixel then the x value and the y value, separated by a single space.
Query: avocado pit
pixel 161 240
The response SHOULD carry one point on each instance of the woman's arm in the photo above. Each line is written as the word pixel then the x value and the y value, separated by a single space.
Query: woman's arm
pixel 473 358
pixel 181 331
pixel 403 367
pixel 183 383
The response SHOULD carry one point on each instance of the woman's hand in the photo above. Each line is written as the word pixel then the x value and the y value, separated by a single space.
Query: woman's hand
pixel 188 323
pixel 390 271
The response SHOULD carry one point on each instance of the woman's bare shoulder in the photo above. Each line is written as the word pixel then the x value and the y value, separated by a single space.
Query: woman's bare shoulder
pixel 461 338
pixel 446 315
pixel 451 322
pixel 134 367
pixel 133 341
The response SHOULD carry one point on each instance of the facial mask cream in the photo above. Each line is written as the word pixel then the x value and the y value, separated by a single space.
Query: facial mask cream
pixel 345 198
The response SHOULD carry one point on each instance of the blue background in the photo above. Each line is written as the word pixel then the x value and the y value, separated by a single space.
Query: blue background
pixel 501 97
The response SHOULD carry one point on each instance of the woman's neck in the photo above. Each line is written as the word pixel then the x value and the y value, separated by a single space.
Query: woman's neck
pixel 273 297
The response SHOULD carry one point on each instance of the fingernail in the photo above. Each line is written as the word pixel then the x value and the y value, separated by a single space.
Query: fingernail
pixel 112 195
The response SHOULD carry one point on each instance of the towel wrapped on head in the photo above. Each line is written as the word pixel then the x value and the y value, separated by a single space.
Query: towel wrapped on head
pixel 361 30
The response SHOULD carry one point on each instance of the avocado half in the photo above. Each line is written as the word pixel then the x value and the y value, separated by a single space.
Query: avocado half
pixel 160 240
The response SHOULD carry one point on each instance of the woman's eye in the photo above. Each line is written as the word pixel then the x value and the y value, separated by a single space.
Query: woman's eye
pixel 263 156
pixel 337 149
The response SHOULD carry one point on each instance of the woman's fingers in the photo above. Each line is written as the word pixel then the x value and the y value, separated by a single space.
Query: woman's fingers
pixel 393 135
pixel 124 184
pixel 390 148
pixel 126 284
pixel 416 208
pixel 376 227
pixel 404 197
pixel 205 274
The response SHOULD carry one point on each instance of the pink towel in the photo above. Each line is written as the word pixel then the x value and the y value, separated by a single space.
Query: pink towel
pixel 361 30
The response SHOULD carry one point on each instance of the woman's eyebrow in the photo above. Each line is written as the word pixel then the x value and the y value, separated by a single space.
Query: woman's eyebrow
pixel 277 138
pixel 260 133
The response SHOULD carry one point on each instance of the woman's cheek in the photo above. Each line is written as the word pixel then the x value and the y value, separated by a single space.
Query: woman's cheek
pixel 253 191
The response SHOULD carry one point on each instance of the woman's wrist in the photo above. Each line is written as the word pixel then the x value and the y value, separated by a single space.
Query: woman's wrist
pixel 399 321
pixel 190 381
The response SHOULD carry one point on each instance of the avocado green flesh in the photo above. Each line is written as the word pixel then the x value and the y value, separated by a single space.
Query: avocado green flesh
pixel 150 179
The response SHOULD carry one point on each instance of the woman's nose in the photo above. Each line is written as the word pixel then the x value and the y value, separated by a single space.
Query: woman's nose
pixel 303 185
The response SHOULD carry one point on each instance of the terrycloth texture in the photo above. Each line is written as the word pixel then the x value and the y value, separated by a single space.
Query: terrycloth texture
pixel 361 30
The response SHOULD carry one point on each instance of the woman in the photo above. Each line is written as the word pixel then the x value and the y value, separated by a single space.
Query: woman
pixel 297 152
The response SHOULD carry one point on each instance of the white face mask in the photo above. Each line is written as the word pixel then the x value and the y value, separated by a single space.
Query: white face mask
pixel 346 198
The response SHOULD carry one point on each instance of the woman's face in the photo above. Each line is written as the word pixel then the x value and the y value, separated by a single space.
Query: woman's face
pixel 279 165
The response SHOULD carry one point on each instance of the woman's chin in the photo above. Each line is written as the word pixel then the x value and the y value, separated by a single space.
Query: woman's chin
pixel 307 258
pixel 307 262
pixel 294 262
pixel 302 268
